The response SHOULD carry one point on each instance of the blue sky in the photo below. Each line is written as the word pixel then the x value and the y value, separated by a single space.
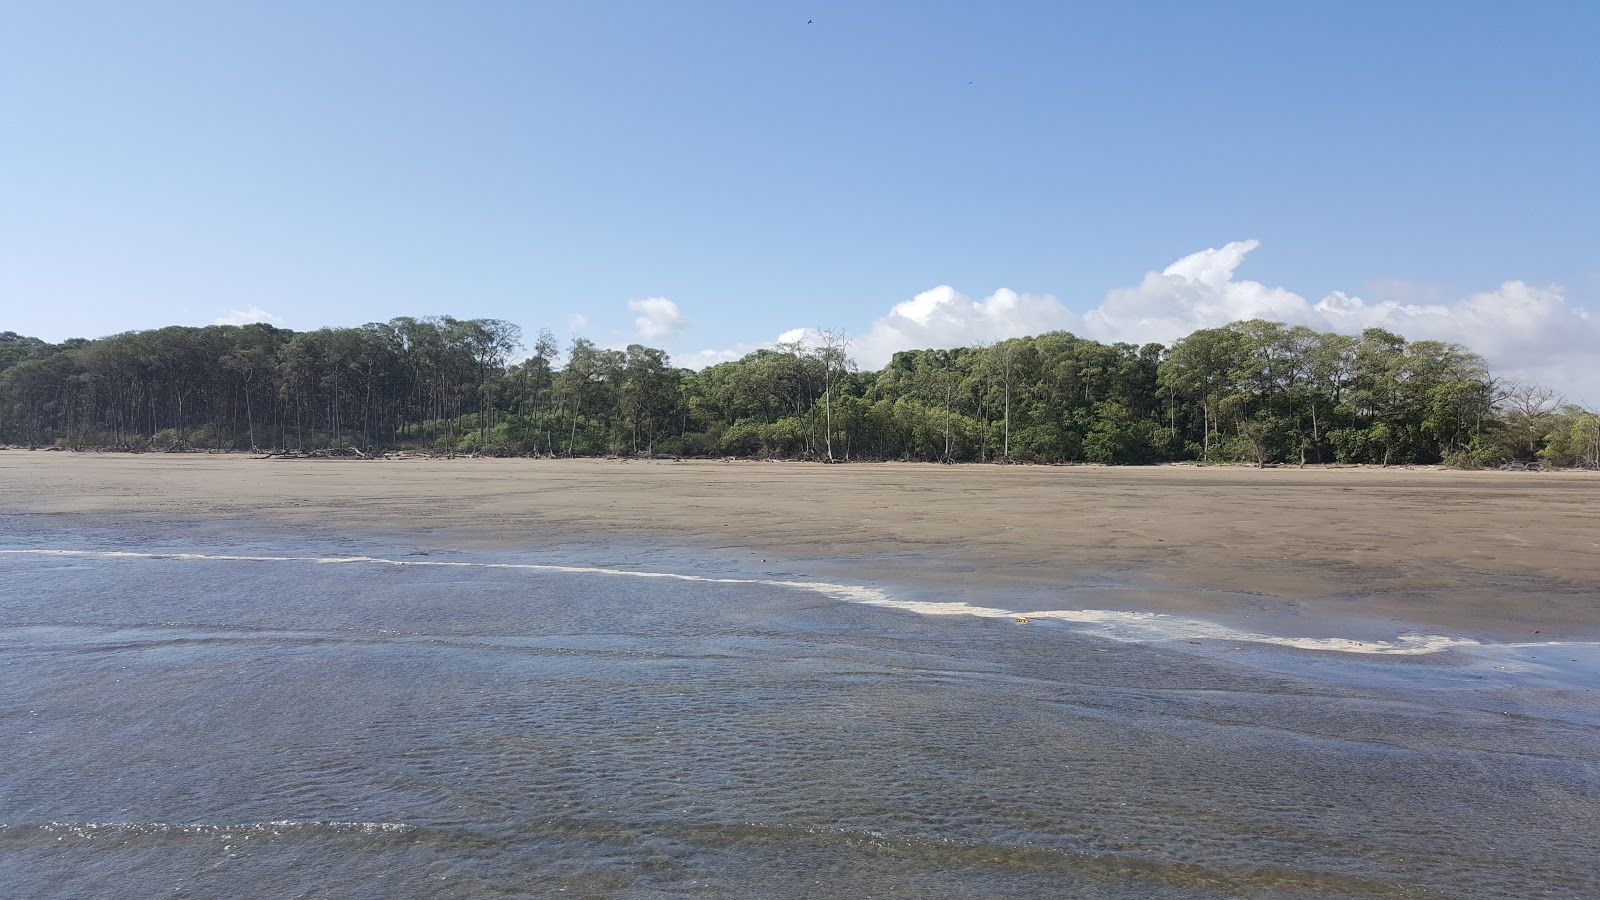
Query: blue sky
pixel 737 172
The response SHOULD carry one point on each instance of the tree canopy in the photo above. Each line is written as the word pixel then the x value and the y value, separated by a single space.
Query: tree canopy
pixel 1253 391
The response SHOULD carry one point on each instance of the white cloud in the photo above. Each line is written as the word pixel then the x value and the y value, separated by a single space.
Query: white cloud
pixel 942 317
pixel 1527 332
pixel 577 322
pixel 247 316
pixel 1195 292
pixel 701 359
pixel 1524 331
pixel 806 337
pixel 659 318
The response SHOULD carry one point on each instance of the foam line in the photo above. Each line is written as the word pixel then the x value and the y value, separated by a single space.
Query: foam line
pixel 1136 627
pixel 837 591
pixel 1116 625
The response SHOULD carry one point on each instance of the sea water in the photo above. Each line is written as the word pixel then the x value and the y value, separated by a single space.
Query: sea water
pixel 281 719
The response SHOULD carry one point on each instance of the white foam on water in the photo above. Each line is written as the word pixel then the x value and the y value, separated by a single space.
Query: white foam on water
pixel 1116 625
pixel 1146 627
pixel 850 592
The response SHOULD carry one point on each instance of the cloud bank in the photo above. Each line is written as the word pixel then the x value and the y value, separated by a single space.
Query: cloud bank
pixel 1525 331
pixel 806 337
pixel 247 317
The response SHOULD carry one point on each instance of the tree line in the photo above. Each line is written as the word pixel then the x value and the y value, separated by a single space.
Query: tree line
pixel 1254 391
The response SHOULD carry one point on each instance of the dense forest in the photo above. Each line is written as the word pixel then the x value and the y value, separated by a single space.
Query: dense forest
pixel 1256 391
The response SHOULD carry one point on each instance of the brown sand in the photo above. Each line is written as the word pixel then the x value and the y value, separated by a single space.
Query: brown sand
pixel 1502 555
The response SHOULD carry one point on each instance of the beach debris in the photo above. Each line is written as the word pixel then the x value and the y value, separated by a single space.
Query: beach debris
pixel 321 453
pixel 358 453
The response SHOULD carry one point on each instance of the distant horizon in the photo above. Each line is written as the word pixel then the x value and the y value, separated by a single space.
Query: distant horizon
pixel 708 178
pixel 1531 332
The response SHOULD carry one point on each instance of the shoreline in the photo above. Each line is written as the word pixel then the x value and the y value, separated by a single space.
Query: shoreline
pixel 1498 556
pixel 342 454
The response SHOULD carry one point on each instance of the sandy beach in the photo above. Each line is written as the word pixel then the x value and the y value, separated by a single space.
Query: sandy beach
pixel 472 677
pixel 1497 555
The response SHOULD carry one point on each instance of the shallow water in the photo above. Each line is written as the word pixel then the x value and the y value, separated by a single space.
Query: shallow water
pixel 193 726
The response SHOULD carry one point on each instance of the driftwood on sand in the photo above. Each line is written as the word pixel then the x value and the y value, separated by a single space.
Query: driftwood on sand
pixel 358 453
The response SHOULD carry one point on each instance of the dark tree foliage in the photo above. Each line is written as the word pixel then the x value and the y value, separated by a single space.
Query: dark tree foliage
pixel 1254 391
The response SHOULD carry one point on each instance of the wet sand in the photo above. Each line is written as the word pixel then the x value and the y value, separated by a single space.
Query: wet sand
pixel 1496 555
pixel 452 724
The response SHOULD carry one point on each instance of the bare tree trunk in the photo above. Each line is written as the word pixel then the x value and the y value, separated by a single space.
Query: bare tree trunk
pixel 947 391
pixel 1006 450
pixel 249 414
pixel 577 406
pixel 827 406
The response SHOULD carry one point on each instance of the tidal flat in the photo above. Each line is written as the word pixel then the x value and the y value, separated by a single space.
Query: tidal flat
pixel 656 679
